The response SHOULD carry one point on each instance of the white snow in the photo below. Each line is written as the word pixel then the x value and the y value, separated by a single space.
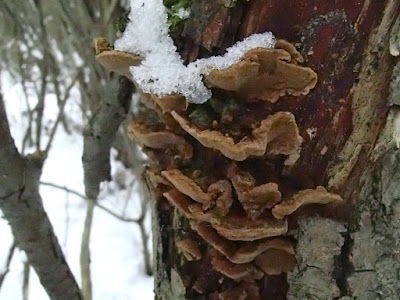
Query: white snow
pixel 183 13
pixel 163 72
pixel 116 261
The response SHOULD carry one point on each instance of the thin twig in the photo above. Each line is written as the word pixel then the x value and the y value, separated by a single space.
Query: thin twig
pixel 107 210
pixel 7 265
pixel 25 281
pixel 44 70
pixel 60 112
pixel 85 252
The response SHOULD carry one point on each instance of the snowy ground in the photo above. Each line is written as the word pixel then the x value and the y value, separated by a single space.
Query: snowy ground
pixel 116 261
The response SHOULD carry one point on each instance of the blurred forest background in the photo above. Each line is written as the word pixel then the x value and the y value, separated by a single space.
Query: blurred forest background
pixel 52 86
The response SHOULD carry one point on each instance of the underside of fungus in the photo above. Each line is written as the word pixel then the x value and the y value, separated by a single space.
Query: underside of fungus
pixel 246 271
pixel 115 61
pixel 254 199
pixel 277 134
pixel 234 226
pixel 240 252
pixel 166 103
pixel 159 139
pixel 189 249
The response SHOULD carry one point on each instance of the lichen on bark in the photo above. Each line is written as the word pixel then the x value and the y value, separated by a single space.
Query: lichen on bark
pixel 319 241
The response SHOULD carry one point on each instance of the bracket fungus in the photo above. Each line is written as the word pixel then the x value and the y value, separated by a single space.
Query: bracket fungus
pixel 318 196
pixel 266 74
pixel 166 103
pixel 219 193
pixel 241 221
pixel 243 291
pixel 277 134
pixel 222 193
pixel 234 226
pixel 189 249
pixel 254 199
pixel 238 272
pixel 139 132
pixel 114 60
pixel 240 252
pixel 275 262
pixel 188 187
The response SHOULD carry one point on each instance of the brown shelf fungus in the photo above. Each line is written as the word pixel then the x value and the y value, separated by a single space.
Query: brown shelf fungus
pixel 234 226
pixel 254 199
pixel 317 196
pixel 246 272
pixel 188 187
pixel 219 193
pixel 189 249
pixel 277 134
pixel 240 252
pixel 115 61
pixel 165 103
pixel 266 74
pixel 139 132
pixel 275 262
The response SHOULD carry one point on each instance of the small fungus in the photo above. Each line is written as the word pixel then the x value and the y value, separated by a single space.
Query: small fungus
pixel 294 54
pixel 318 196
pixel 222 193
pixel 189 249
pixel 114 60
pixel 238 272
pixel 156 179
pixel 275 262
pixel 234 226
pixel 237 293
pixel 244 291
pixel 254 199
pixel 188 187
pixel 239 252
pixel 159 140
pixel 265 74
pixel 166 103
pixel 277 134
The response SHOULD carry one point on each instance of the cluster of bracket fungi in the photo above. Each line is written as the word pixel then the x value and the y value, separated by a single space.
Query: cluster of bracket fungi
pixel 198 155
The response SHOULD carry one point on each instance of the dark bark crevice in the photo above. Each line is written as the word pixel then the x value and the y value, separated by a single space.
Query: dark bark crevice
pixel 343 267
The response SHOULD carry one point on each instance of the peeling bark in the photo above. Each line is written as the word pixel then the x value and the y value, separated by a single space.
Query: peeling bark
pixel 319 241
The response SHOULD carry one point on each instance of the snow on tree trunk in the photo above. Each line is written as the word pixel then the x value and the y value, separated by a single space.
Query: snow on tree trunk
pixel 229 177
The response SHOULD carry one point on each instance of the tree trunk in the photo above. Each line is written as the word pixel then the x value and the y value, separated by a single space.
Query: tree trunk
pixel 349 125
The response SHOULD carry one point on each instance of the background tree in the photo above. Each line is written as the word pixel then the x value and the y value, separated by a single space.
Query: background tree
pixel 47 47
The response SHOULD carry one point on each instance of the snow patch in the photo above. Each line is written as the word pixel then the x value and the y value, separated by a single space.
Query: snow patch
pixel 163 72
pixel 183 13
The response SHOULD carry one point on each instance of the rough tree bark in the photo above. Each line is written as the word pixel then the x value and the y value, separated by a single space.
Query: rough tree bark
pixel 350 131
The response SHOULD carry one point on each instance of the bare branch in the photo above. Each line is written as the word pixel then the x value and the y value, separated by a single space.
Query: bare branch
pixel 25 281
pixel 102 207
pixel 7 264
pixel 99 135
pixel 61 111
pixel 85 252
pixel 22 207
